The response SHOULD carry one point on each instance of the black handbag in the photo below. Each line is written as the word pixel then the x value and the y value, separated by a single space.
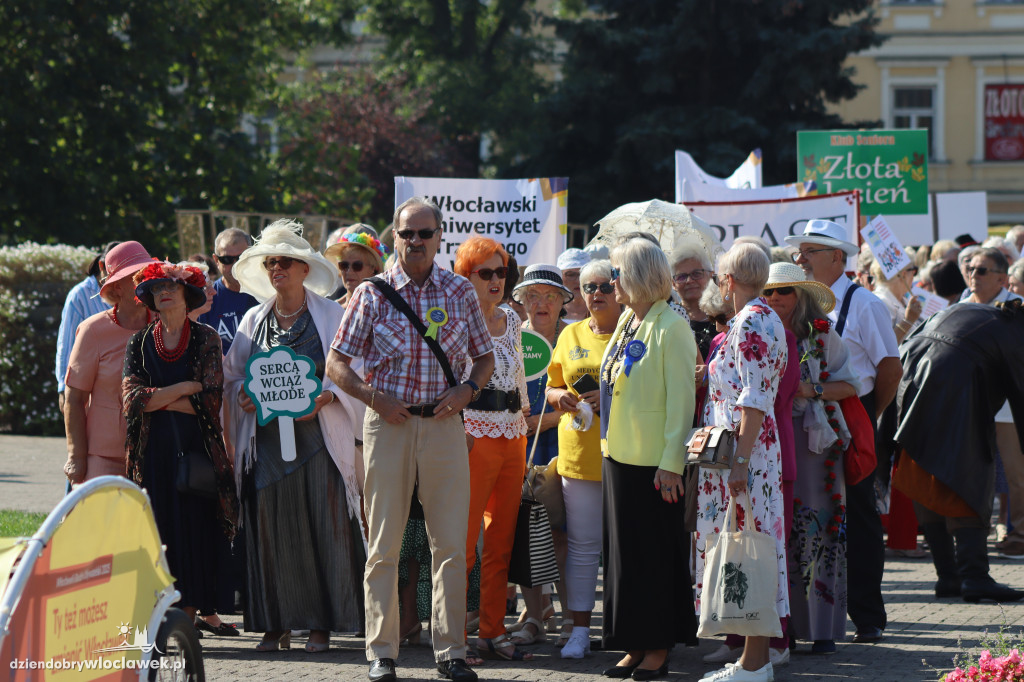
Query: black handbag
pixel 196 474
pixel 711 447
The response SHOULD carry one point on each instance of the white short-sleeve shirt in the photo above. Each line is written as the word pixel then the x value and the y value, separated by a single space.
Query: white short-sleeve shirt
pixel 868 333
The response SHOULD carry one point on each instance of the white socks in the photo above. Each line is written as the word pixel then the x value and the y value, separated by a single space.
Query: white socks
pixel 578 645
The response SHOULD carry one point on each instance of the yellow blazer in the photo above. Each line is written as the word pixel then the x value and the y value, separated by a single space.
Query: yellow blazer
pixel 651 410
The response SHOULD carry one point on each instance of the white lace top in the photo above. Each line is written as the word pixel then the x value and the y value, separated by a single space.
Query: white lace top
pixel 508 376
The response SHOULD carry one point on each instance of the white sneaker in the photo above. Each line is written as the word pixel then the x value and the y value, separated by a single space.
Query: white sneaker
pixel 737 673
pixel 578 644
pixel 724 654
pixel 777 657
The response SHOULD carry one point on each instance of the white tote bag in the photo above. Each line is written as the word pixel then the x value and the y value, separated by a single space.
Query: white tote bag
pixel 741 581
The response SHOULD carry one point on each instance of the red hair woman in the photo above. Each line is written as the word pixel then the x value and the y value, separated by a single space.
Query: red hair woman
pixel 497 461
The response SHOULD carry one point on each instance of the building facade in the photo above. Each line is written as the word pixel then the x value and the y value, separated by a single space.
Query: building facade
pixel 955 67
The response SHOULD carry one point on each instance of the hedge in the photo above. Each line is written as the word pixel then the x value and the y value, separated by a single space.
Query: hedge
pixel 34 281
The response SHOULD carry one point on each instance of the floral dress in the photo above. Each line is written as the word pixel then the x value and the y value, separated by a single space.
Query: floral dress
pixel 745 371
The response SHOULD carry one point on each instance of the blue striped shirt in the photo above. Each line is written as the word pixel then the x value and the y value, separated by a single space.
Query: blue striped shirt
pixel 82 302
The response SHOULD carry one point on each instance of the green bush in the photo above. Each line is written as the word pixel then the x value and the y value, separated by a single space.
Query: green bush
pixel 34 281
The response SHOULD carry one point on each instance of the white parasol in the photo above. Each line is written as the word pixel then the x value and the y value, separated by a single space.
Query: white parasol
pixel 670 224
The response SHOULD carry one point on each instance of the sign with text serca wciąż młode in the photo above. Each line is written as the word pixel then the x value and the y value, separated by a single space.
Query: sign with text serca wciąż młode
pixel 889 167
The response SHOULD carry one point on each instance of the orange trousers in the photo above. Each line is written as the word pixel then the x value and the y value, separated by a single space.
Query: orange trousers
pixel 496 470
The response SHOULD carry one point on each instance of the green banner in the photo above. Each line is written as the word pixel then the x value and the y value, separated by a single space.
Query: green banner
pixel 536 354
pixel 888 167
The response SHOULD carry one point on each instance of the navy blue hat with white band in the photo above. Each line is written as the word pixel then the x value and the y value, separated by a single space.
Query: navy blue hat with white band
pixel 542 274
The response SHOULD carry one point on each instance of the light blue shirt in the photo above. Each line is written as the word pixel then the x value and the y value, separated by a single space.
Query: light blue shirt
pixel 83 301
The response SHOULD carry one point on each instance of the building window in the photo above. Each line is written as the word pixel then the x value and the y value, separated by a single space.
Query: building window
pixel 914 107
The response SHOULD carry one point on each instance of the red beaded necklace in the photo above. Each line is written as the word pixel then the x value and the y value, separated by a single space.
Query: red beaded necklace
pixel 179 350
pixel 118 322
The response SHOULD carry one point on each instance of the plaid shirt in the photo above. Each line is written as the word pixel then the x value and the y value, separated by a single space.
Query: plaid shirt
pixel 398 361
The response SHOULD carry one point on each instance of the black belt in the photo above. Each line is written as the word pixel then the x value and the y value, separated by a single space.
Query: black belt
pixel 493 400
pixel 425 410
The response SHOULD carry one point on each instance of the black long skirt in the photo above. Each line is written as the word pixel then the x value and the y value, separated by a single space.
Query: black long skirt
pixel 648 595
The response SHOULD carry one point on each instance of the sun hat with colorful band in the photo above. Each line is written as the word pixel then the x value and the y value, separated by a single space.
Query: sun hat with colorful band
pixel 359 239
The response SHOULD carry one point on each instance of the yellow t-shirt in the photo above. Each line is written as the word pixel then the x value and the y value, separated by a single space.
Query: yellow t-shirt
pixel 578 351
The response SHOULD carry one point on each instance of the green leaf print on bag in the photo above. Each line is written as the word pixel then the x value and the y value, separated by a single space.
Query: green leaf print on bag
pixel 735 584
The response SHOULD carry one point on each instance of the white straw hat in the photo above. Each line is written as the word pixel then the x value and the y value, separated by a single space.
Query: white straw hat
pixel 826 233
pixel 790 275
pixel 282 238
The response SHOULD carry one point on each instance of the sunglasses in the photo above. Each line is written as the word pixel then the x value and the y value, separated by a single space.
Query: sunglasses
pixel 163 287
pixel 283 262
pixel 781 291
pixel 604 287
pixel 423 234
pixel 487 274
pixel 696 276
pixel 807 254
pixel 227 260
pixel 981 271
pixel 356 266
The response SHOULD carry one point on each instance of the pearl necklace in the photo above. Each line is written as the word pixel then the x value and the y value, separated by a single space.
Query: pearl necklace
pixel 277 309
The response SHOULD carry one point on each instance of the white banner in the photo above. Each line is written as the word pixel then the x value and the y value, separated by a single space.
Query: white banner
pixel 773 221
pixel 747 176
pixel 693 191
pixel 527 217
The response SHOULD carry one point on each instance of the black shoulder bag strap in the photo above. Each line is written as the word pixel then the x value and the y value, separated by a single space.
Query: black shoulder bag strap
pixel 845 310
pixel 403 307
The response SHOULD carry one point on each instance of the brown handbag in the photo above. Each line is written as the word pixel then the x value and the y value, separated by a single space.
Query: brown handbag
pixel 711 447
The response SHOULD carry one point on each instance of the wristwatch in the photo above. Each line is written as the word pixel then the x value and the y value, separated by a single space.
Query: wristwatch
pixel 741 460
pixel 476 389
pixel 819 390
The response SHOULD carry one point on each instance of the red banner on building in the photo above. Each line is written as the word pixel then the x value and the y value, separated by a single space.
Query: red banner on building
pixel 1004 122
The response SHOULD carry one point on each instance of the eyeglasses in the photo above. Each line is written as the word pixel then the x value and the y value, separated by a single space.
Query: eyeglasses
pixel 226 260
pixel 781 291
pixel 603 287
pixel 807 254
pixel 696 276
pixel 616 273
pixel 486 274
pixel 423 234
pixel 981 271
pixel 283 262
pixel 534 298
pixel 165 287
pixel 356 266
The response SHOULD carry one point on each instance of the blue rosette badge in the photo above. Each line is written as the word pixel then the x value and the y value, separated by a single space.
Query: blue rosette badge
pixel 634 351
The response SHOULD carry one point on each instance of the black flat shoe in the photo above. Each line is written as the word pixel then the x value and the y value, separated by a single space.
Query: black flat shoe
pixel 868 636
pixel 643 674
pixel 456 670
pixel 620 671
pixel 222 630
pixel 382 670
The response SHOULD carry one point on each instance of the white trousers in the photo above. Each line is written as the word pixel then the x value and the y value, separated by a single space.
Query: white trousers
pixel 583 522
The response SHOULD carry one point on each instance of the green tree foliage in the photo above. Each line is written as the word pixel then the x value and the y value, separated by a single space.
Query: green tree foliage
pixel 480 58
pixel 716 78
pixel 345 136
pixel 115 113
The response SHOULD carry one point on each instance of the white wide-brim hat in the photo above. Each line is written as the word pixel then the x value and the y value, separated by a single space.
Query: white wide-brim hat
pixel 791 275
pixel 572 259
pixel 282 238
pixel 826 233
pixel 542 274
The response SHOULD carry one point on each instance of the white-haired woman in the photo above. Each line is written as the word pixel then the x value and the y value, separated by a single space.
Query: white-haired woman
pixel 647 385
pixel 743 376
pixel 305 548
pixel 577 358
pixel 691 272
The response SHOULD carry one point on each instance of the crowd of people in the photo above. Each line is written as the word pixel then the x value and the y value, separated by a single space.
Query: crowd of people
pixel 401 503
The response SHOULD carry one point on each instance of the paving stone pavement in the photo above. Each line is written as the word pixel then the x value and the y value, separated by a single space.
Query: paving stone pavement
pixel 919 642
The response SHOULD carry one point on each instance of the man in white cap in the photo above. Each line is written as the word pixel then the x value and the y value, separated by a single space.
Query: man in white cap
pixel 570 263
pixel 863 322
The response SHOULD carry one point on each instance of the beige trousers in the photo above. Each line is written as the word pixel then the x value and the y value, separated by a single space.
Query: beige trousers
pixel 432 452
pixel 1013 466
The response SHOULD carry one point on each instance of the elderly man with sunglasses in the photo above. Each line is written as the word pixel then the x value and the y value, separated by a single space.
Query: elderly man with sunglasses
pixel 863 322
pixel 229 303
pixel 413 432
